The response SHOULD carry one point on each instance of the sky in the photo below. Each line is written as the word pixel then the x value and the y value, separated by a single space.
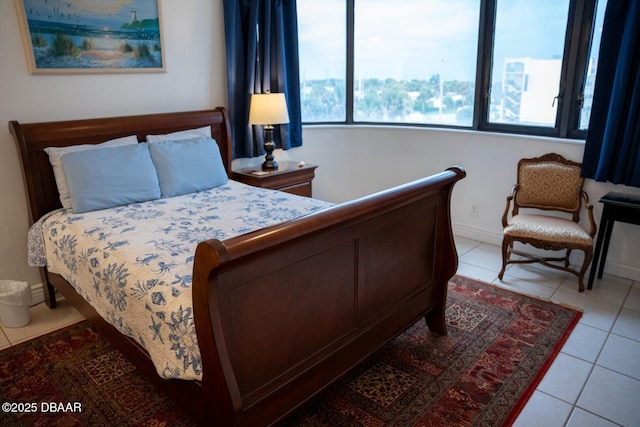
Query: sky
pixel 407 39
pixel 99 13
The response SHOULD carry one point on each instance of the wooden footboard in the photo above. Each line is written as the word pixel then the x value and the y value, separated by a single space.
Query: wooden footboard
pixel 282 312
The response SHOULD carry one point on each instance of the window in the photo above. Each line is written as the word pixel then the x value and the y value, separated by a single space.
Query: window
pixel 528 47
pixel 414 64
pixel 592 64
pixel 322 46
pixel 417 62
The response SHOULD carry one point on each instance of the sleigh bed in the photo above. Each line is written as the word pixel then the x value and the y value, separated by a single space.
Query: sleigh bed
pixel 282 311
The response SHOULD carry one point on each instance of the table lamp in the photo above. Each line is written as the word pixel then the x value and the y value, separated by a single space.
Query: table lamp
pixel 268 109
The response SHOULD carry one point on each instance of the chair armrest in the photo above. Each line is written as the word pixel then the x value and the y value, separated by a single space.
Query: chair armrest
pixel 592 223
pixel 506 208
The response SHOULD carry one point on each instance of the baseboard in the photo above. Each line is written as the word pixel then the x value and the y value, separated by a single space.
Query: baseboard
pixel 37 294
pixel 611 267
pixel 622 270
pixel 479 234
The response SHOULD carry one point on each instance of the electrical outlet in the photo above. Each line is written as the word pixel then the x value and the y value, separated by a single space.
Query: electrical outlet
pixel 474 210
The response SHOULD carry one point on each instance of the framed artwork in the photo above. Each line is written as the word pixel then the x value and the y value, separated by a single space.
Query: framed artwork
pixel 82 36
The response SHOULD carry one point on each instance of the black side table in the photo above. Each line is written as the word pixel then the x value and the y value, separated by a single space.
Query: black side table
pixel 617 207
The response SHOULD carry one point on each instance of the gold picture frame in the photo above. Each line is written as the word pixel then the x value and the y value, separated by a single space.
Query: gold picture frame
pixel 110 36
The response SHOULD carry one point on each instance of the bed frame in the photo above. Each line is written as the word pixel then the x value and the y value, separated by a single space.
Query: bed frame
pixel 281 312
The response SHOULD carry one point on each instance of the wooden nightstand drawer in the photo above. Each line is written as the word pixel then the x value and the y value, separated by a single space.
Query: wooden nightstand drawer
pixel 289 177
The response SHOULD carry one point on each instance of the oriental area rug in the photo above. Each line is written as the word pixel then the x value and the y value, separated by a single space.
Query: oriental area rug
pixel 497 350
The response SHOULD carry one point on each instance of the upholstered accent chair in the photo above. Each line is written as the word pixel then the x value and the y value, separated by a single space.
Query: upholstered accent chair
pixel 549 191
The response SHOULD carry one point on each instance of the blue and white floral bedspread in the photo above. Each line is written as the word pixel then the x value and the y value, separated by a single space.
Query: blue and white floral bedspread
pixel 134 263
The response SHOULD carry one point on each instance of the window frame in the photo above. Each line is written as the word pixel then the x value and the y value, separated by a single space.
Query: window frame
pixel 578 35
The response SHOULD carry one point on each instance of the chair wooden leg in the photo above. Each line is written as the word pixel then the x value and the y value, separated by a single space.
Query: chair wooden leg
pixel 505 257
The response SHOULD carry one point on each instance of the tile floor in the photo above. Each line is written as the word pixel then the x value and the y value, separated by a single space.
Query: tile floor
pixel 43 320
pixel 595 381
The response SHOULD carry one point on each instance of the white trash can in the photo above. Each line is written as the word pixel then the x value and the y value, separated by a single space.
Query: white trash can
pixel 15 297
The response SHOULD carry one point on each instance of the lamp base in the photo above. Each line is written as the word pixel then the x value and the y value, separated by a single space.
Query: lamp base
pixel 269 165
pixel 269 162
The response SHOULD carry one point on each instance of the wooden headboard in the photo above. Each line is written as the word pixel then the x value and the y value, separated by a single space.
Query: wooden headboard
pixel 33 138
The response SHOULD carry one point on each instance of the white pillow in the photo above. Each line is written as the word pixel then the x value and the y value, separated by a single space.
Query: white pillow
pixel 55 158
pixel 183 134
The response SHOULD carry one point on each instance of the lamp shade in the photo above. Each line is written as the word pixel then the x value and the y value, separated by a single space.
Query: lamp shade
pixel 268 109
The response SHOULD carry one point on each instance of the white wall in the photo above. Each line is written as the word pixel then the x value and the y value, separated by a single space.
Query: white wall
pixel 357 160
pixel 195 78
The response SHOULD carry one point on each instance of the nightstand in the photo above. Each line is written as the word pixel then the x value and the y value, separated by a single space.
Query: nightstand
pixel 289 177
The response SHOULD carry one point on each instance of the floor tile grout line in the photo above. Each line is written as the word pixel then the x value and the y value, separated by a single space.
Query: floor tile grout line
pixel 561 400
pixel 585 385
pixel 610 369
pixel 625 337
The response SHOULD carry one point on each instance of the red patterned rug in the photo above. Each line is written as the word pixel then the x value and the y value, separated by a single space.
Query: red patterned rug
pixel 499 346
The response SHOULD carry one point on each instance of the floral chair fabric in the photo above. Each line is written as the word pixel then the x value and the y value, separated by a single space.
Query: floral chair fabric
pixel 551 184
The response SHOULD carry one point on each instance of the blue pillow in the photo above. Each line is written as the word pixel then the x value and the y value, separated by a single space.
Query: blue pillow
pixel 107 177
pixel 188 165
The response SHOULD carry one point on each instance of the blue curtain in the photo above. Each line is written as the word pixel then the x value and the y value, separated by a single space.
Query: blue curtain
pixel 262 55
pixel 612 149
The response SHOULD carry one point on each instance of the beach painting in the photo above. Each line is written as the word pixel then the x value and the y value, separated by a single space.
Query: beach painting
pixel 89 36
